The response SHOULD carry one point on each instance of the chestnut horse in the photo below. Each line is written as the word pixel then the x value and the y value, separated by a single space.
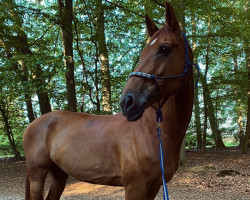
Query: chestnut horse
pixel 117 150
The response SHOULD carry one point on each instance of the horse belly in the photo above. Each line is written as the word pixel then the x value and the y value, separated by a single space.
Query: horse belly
pixel 88 160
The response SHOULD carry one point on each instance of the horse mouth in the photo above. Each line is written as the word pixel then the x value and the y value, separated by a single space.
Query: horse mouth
pixel 133 116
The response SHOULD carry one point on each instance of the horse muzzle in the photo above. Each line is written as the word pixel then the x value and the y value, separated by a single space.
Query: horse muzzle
pixel 132 107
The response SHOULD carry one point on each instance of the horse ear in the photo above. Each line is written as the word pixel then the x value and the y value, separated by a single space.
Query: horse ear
pixel 171 19
pixel 151 27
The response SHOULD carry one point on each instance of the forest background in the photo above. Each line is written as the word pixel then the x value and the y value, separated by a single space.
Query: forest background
pixel 76 55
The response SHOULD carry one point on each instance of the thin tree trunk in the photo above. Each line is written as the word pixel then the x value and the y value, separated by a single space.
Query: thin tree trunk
pixel 66 19
pixel 204 135
pixel 209 112
pixel 214 123
pixel 98 105
pixel 241 129
pixel 209 105
pixel 197 120
pixel 103 54
pixel 196 93
pixel 238 101
pixel 181 19
pixel 9 132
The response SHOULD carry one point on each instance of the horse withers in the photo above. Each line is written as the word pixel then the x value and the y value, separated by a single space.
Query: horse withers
pixel 117 150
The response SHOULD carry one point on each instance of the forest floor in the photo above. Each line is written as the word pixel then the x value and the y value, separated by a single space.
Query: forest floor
pixel 211 175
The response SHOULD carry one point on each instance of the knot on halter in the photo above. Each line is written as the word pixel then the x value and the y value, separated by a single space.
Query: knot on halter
pixel 152 76
pixel 159 117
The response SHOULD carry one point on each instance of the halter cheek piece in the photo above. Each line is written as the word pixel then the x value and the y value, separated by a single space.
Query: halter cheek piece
pixel 154 78
pixel 160 104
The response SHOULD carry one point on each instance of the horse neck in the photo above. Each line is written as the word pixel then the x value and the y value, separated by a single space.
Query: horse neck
pixel 176 113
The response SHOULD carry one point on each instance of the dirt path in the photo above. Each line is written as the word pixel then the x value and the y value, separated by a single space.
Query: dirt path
pixel 201 178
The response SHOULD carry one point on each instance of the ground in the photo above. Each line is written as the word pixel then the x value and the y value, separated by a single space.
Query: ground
pixel 211 175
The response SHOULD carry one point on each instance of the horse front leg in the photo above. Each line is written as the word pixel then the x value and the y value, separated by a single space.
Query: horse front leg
pixel 136 190
pixel 152 192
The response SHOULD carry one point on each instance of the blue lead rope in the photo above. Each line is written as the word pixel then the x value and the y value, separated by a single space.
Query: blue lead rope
pixel 165 189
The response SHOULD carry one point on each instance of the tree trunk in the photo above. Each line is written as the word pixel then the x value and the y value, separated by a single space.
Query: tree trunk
pixel 213 122
pixel 42 93
pixel 204 137
pixel 241 129
pixel 246 141
pixel 197 120
pixel 103 54
pixel 238 102
pixel 209 105
pixel 196 92
pixel 209 111
pixel 181 19
pixel 29 106
pixel 66 19
pixel 9 132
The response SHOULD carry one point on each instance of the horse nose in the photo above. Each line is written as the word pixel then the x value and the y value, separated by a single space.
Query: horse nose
pixel 127 103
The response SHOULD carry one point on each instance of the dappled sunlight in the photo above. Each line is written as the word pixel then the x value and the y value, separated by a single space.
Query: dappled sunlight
pixel 90 190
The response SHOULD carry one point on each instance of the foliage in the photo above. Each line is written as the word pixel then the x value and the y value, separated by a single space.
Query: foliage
pixel 125 38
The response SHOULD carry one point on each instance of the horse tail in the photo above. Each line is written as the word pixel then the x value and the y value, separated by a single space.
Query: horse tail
pixel 27 186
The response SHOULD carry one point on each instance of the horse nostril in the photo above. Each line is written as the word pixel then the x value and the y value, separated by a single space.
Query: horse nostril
pixel 129 101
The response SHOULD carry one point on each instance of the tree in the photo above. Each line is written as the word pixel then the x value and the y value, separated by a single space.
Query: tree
pixel 103 47
pixel 66 19
pixel 19 42
pixel 103 54
pixel 196 92
pixel 246 141
pixel 22 74
pixel 8 130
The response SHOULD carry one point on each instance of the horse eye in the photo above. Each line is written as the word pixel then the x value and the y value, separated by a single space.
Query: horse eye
pixel 163 49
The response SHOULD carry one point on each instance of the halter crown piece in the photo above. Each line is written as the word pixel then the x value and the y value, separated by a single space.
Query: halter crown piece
pixel 159 117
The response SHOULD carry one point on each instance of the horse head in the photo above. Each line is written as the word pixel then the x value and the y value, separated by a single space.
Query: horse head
pixel 163 57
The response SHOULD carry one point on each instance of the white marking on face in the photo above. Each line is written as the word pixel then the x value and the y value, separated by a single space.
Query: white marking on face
pixel 153 41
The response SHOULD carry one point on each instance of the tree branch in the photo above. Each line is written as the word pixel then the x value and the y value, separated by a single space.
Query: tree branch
pixel 159 4
pixel 83 63
pixel 126 9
